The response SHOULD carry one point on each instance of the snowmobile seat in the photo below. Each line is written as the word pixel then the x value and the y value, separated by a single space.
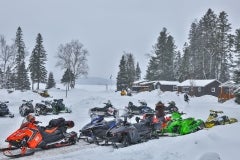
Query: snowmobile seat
pixel 56 122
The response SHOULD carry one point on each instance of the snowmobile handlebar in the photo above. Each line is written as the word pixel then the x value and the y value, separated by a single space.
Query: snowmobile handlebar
pixel 4 102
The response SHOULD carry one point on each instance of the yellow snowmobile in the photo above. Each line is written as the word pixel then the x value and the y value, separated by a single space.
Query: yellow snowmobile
pixel 214 119
pixel 44 93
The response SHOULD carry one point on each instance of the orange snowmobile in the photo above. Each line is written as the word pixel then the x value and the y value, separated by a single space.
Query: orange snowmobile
pixel 30 136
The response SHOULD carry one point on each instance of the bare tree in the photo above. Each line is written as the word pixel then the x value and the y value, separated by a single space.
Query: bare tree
pixel 73 56
pixel 7 56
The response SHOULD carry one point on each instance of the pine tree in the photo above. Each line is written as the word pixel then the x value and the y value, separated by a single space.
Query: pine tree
pixel 22 79
pixel 161 63
pixel 51 82
pixel 122 77
pixel 37 62
pixel 184 69
pixel 237 47
pixel 68 78
pixel 1 78
pixel 131 73
pixel 138 72
pixel 152 72
pixel 10 79
pixel 224 27
pixel 176 65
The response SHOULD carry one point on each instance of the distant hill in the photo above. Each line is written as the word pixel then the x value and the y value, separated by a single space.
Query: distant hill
pixel 95 81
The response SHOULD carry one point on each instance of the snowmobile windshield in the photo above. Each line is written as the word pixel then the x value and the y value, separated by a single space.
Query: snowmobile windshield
pixel 176 115
pixel 96 118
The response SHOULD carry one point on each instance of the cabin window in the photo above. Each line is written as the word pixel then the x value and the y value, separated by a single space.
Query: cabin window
pixel 213 89
pixel 175 88
pixel 199 89
pixel 185 89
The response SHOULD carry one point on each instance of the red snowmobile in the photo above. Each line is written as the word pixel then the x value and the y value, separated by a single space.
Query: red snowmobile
pixel 31 136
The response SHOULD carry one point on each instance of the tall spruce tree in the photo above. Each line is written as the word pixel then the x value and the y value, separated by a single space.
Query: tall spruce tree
pixel 22 80
pixel 138 72
pixel 122 77
pixel 184 69
pixel 176 66
pixel 51 82
pixel 224 46
pixel 160 66
pixel 237 47
pixel 37 63
pixel 131 73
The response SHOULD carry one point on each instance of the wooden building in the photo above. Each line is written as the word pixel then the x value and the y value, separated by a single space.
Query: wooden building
pixel 200 87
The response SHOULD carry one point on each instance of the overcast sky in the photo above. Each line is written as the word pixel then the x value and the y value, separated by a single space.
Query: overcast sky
pixel 106 28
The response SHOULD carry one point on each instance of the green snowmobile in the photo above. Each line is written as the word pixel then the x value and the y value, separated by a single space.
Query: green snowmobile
pixel 176 125
pixel 59 106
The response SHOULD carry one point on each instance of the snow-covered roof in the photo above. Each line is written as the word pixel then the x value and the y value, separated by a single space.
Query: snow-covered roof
pixel 197 82
pixel 230 84
pixel 154 82
pixel 168 82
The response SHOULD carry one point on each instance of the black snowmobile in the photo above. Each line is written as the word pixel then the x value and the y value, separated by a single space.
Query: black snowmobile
pixel 95 131
pixel 43 108
pixel 107 111
pixel 126 134
pixel 26 108
pixel 4 111
pixel 53 107
pixel 139 110
pixel 171 108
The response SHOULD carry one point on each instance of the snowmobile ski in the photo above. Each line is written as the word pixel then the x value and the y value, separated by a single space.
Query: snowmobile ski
pixel 16 153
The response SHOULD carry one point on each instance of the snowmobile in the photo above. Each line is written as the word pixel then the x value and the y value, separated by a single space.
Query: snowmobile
pixel 107 111
pixel 95 131
pixel 26 108
pixel 4 111
pixel 30 136
pixel 139 110
pixel 43 108
pixel 127 133
pixel 58 106
pixel 213 119
pixel 55 107
pixel 176 125
pixel 171 108
pixel 44 93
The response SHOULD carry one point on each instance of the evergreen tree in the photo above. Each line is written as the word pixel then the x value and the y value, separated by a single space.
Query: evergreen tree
pixel 236 76
pixel 122 77
pixel 1 78
pixel 10 79
pixel 237 47
pixel 131 73
pixel 184 70
pixel 51 82
pixel 176 65
pixel 68 78
pixel 209 47
pixel 162 62
pixel 152 72
pixel 37 62
pixel 138 72
pixel 22 80
pixel 224 47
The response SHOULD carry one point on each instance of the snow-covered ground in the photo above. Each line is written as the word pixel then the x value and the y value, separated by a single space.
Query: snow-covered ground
pixel 219 142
